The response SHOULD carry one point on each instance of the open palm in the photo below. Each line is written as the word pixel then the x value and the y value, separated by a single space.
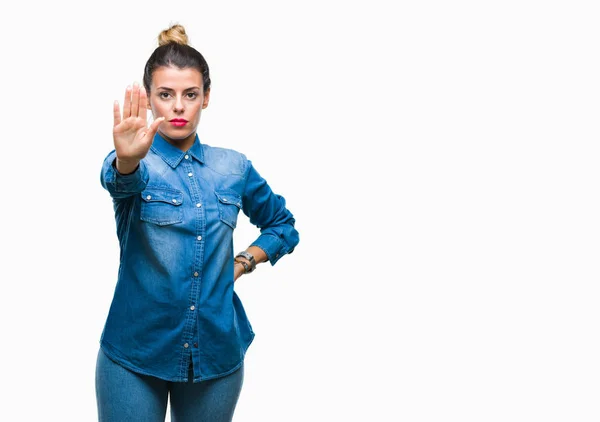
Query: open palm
pixel 131 134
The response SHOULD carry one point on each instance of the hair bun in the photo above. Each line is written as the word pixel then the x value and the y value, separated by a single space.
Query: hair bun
pixel 175 34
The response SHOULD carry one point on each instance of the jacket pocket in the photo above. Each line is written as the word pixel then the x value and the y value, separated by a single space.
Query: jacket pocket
pixel 161 206
pixel 229 204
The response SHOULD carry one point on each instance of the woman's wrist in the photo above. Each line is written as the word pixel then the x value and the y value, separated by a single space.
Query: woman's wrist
pixel 126 167
pixel 244 264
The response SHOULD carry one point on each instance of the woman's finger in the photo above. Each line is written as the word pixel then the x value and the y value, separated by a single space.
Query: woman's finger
pixel 135 100
pixel 154 127
pixel 127 103
pixel 143 104
pixel 116 113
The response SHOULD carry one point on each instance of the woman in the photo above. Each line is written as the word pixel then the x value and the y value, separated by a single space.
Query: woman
pixel 175 326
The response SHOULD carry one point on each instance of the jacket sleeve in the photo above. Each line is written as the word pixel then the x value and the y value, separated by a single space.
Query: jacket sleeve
pixel 122 186
pixel 267 211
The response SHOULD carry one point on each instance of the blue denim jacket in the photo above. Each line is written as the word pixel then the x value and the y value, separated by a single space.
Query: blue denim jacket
pixel 174 299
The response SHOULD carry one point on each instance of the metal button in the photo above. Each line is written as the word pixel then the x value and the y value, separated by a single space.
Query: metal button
pixel 199 237
pixel 148 197
pixel 224 199
pixel 174 200
pixel 192 308
pixel 196 274
pixel 198 205
pixel 190 174
pixel 186 156
pixel 186 345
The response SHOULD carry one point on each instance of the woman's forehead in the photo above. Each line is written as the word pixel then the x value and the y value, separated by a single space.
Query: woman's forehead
pixel 174 77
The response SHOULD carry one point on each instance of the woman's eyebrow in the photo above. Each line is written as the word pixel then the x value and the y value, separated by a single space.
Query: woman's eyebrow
pixel 171 89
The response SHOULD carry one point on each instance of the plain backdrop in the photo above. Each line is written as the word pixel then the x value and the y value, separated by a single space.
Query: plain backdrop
pixel 440 158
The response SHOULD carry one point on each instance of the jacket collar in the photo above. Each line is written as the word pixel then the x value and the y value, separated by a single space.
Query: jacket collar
pixel 173 155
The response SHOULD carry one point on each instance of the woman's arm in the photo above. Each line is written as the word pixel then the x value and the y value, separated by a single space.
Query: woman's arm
pixel 122 173
pixel 259 256
pixel 267 211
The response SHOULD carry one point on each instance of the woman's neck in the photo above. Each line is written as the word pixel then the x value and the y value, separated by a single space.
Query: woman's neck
pixel 182 144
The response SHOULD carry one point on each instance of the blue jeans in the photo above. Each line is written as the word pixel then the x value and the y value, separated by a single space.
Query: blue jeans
pixel 123 395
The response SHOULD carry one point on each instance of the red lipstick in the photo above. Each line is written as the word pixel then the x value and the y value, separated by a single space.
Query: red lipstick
pixel 178 122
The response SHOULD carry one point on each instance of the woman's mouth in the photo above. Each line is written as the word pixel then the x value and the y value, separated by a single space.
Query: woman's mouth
pixel 178 122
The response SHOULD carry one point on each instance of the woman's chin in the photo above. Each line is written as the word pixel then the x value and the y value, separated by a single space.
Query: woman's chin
pixel 175 137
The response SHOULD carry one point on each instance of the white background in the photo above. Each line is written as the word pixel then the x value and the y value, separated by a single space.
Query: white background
pixel 440 158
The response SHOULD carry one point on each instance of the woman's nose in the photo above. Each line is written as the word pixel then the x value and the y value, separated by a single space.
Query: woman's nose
pixel 178 106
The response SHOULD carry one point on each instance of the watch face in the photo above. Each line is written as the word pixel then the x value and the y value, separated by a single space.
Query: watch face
pixel 250 258
pixel 247 255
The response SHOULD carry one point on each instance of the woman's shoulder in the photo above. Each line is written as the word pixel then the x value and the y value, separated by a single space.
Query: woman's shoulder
pixel 224 160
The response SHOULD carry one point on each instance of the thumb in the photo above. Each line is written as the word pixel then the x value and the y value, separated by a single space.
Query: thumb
pixel 154 127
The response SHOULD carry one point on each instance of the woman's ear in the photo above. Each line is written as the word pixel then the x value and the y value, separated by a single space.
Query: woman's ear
pixel 206 98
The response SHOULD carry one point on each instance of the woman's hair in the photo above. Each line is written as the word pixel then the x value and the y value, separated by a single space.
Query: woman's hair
pixel 173 50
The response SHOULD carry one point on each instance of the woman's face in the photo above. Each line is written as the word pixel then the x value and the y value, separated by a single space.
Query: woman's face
pixel 178 96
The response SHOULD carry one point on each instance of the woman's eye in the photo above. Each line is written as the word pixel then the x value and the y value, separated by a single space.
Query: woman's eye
pixel 192 95
pixel 164 95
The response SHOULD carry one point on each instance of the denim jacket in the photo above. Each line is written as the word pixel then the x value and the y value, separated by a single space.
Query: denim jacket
pixel 174 303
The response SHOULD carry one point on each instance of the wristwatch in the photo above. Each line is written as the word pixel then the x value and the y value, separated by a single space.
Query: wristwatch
pixel 250 258
pixel 245 265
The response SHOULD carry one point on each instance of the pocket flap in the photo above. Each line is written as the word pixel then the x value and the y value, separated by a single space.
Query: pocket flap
pixel 229 197
pixel 168 195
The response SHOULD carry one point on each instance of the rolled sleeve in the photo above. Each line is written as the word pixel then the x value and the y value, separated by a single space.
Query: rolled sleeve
pixel 122 185
pixel 268 212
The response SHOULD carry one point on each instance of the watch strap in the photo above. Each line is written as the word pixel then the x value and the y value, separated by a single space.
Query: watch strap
pixel 249 257
pixel 245 265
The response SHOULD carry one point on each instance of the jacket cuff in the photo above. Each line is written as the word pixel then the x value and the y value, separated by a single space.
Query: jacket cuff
pixel 273 247
pixel 127 183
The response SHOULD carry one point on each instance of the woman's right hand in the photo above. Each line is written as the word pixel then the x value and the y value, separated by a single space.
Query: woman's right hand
pixel 131 134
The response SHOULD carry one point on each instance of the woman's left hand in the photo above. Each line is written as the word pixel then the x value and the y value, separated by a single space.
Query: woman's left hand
pixel 238 270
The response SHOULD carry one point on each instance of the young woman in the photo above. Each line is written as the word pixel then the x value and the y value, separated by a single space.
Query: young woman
pixel 175 326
